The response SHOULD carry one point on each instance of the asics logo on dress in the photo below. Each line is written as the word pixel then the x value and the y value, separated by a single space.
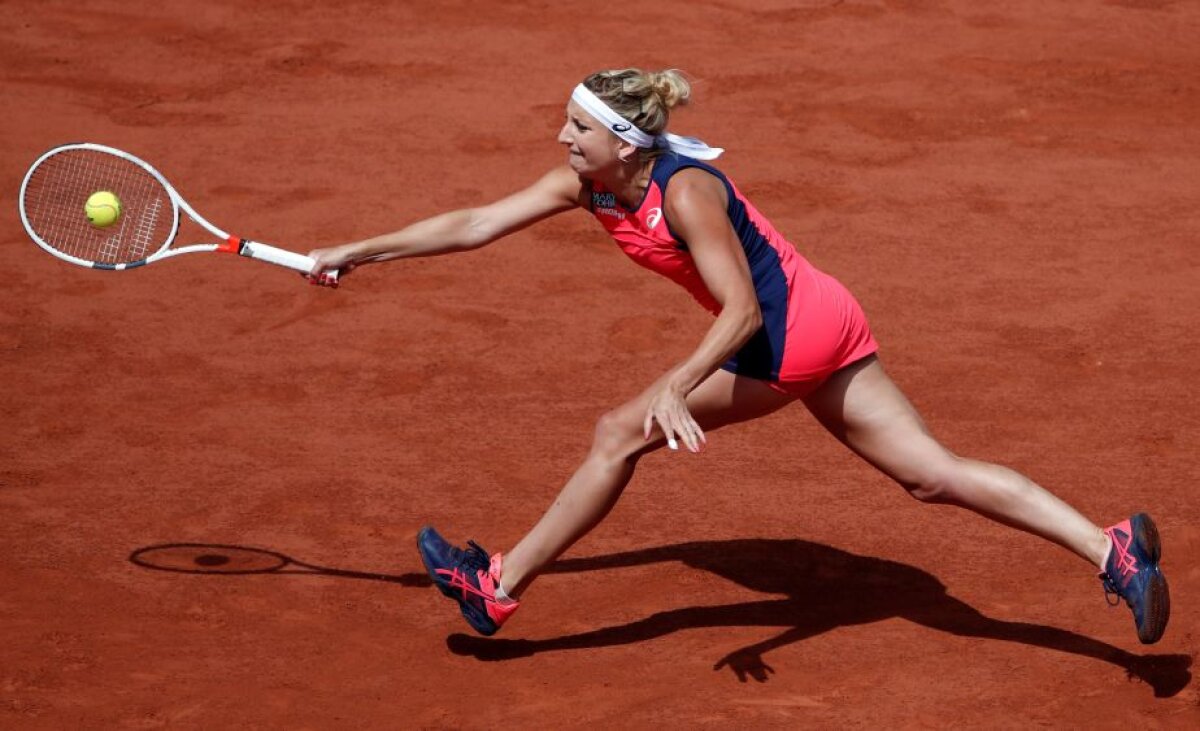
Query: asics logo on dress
pixel 653 217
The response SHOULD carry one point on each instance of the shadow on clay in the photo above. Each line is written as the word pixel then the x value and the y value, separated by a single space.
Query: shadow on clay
pixel 821 588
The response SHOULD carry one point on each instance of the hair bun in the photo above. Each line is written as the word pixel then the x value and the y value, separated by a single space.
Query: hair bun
pixel 670 86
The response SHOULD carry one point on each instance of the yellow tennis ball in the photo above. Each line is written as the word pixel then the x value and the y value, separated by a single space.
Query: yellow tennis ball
pixel 103 208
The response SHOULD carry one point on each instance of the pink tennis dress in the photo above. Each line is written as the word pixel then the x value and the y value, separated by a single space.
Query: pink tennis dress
pixel 812 325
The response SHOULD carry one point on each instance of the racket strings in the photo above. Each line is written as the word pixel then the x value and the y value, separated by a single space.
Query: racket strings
pixel 57 192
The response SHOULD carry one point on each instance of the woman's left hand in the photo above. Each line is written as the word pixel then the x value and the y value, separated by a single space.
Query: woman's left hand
pixel 668 407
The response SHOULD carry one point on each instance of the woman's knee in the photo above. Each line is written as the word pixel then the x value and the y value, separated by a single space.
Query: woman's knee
pixel 617 436
pixel 938 481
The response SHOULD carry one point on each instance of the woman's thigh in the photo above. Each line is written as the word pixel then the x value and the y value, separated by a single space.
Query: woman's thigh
pixel 721 399
pixel 862 407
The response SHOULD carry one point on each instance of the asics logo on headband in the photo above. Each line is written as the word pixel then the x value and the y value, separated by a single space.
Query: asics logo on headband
pixel 622 127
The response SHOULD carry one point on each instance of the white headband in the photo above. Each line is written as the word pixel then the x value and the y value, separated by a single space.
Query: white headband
pixel 625 129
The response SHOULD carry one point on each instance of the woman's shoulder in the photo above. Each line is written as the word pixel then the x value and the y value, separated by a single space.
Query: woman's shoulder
pixel 687 175
pixel 670 163
pixel 563 182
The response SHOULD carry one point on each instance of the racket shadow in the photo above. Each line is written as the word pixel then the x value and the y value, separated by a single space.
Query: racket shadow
pixel 817 588
pixel 217 559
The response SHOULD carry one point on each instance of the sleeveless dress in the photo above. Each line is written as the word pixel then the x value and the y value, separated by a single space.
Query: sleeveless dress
pixel 812 325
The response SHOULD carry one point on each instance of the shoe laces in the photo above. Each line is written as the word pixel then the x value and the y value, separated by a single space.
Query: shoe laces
pixel 1112 594
pixel 474 558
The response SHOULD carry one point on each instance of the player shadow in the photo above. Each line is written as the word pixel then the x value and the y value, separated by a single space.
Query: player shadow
pixel 822 588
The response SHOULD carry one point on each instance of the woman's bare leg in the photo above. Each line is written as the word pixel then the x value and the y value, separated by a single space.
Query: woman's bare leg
pixel 863 408
pixel 590 494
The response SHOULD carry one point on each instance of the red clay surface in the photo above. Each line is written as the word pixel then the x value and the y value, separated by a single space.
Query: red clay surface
pixel 1010 188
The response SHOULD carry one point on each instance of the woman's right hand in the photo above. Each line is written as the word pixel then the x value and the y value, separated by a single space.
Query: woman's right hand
pixel 340 259
pixel 458 230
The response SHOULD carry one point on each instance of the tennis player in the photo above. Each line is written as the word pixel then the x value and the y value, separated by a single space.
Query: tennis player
pixel 783 332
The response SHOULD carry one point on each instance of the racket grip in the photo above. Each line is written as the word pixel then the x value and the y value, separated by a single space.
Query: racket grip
pixel 283 258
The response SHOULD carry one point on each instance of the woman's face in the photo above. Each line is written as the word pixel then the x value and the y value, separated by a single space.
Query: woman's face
pixel 590 146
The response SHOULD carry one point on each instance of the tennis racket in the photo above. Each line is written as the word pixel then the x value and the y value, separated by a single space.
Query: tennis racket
pixel 58 185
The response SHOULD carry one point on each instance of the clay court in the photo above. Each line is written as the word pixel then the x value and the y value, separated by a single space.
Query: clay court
pixel 1009 188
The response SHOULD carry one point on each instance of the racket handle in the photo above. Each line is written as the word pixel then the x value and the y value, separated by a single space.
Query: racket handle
pixel 283 258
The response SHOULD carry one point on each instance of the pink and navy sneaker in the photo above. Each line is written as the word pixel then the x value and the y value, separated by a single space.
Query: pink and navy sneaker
pixel 468 576
pixel 1131 573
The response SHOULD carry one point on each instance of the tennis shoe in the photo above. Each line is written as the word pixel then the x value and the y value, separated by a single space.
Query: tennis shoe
pixel 1131 573
pixel 468 576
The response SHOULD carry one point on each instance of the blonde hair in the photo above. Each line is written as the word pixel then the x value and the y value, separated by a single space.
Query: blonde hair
pixel 645 98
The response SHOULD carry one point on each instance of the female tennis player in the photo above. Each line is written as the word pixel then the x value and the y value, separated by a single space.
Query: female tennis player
pixel 783 332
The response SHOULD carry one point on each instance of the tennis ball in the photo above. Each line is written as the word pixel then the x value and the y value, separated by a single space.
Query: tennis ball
pixel 102 208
